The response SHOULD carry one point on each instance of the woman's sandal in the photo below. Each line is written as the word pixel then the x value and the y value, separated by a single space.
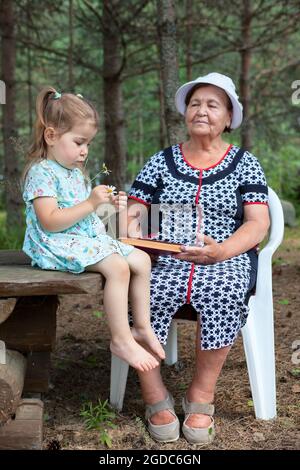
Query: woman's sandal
pixel 163 432
pixel 198 435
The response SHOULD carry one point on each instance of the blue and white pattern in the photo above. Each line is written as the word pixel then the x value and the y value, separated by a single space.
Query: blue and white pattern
pixel 220 292
pixel 79 246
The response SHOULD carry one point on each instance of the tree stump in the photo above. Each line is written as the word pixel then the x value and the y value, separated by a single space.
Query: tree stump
pixel 12 376
pixel 6 308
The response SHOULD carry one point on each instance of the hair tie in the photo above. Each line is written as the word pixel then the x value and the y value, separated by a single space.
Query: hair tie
pixel 56 95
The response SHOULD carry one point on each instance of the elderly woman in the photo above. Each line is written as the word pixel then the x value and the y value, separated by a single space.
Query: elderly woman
pixel 215 279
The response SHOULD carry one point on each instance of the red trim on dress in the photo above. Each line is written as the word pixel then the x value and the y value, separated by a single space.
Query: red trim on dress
pixel 209 167
pixel 188 297
pixel 248 203
pixel 139 200
pixel 189 291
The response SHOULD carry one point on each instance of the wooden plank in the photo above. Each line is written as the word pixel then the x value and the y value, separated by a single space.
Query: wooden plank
pixel 16 281
pixel 14 257
pixel 32 325
pixel 37 372
pixel 26 430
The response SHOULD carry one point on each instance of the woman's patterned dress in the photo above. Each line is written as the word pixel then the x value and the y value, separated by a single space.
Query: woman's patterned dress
pixel 219 292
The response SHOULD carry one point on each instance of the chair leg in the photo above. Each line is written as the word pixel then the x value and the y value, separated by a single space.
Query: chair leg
pixel 258 338
pixel 2 353
pixel 171 346
pixel 118 380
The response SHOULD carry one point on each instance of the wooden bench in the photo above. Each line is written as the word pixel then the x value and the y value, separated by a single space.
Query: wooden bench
pixel 28 308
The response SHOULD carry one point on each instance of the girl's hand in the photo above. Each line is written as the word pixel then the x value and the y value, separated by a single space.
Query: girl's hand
pixel 211 253
pixel 99 195
pixel 120 201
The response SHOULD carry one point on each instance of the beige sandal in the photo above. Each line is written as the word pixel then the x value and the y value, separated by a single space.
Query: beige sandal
pixel 163 432
pixel 198 435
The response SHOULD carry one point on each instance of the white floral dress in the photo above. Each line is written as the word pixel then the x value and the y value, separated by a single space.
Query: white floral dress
pixel 83 244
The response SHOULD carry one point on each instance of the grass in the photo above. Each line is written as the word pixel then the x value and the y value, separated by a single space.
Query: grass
pixel 99 417
pixel 292 232
pixel 12 240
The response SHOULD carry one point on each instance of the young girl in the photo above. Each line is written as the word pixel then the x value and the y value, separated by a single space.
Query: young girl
pixel 64 233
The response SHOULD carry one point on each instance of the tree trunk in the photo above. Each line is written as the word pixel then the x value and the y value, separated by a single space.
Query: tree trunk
pixel 13 202
pixel 115 140
pixel 169 67
pixel 162 123
pixel 71 47
pixel 245 74
pixel 29 71
pixel 189 36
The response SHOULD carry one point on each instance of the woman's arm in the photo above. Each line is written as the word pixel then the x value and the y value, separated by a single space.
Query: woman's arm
pixel 54 219
pixel 251 232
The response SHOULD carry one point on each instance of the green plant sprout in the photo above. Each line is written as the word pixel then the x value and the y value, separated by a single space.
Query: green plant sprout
pixel 99 417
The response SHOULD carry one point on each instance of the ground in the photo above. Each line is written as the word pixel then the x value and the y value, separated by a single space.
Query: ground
pixel 81 373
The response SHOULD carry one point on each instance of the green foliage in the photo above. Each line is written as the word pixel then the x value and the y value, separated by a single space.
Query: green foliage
pixel 292 233
pixel 98 314
pixel 12 240
pixel 91 362
pixel 99 417
pixel 216 44
pixel 283 302
pixel 295 373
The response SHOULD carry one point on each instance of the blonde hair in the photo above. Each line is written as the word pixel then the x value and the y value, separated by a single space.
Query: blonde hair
pixel 62 112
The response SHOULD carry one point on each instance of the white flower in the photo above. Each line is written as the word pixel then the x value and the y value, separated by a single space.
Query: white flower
pixel 112 190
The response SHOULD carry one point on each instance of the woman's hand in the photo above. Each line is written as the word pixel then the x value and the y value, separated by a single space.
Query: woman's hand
pixel 120 201
pixel 211 253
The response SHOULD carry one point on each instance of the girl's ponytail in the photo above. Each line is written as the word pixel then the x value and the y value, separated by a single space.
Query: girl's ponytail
pixel 60 111
pixel 38 148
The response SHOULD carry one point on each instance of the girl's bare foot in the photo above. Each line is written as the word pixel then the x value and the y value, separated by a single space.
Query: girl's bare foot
pixel 148 339
pixel 136 356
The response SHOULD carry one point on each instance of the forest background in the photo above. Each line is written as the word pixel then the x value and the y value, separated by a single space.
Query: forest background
pixel 129 57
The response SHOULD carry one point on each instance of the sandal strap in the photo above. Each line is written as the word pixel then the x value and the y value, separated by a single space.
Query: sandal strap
pixel 166 404
pixel 195 408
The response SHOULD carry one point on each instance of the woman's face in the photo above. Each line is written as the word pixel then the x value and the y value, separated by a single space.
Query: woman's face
pixel 207 113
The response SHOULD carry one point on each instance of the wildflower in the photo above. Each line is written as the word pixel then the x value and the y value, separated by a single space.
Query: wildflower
pixel 105 170
pixel 112 190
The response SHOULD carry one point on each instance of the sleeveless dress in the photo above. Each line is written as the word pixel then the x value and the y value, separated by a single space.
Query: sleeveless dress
pixel 172 188
pixel 81 245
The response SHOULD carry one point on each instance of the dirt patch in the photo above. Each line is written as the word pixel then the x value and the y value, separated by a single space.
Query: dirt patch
pixel 81 373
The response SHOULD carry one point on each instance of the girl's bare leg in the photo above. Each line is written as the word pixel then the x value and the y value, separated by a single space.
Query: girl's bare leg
pixel 116 272
pixel 140 267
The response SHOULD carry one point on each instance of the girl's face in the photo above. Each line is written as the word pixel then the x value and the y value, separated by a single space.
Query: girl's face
pixel 70 149
pixel 207 113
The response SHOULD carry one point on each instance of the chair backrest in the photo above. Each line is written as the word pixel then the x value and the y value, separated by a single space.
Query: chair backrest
pixel 277 221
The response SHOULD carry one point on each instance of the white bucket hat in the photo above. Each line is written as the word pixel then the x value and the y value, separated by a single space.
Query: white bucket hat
pixel 221 81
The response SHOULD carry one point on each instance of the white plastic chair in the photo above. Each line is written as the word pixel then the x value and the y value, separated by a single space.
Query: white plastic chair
pixel 258 333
